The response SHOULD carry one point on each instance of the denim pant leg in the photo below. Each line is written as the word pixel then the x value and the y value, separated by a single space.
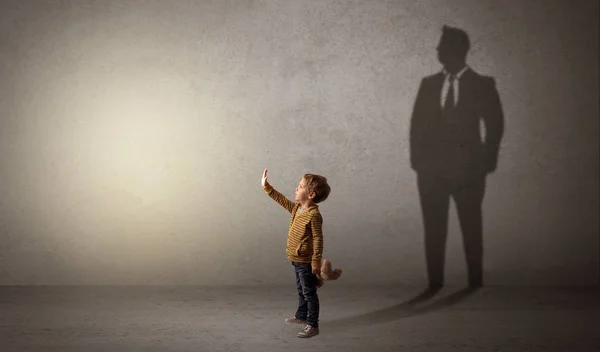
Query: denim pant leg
pixel 302 311
pixel 309 302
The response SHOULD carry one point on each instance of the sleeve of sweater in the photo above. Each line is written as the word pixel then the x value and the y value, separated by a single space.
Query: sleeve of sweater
pixel 316 224
pixel 279 198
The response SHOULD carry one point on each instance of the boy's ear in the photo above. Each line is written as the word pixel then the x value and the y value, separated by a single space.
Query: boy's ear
pixel 311 195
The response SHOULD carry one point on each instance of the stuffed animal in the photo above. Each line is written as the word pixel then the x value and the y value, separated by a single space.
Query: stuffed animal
pixel 327 273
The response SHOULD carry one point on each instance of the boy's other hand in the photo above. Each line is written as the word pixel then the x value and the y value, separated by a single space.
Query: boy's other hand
pixel 264 178
pixel 316 270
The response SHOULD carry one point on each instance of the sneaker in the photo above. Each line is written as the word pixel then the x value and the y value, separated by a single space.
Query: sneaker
pixel 308 331
pixel 293 320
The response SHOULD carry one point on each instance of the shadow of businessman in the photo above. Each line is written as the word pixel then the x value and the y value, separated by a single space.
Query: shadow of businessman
pixel 409 308
pixel 450 155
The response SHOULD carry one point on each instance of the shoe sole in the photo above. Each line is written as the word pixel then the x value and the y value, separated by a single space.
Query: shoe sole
pixel 306 337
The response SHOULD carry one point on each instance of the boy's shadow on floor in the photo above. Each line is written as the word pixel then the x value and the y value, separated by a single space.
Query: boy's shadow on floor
pixel 402 310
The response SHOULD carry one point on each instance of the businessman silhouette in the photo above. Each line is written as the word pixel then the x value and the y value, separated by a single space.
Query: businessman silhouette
pixel 450 155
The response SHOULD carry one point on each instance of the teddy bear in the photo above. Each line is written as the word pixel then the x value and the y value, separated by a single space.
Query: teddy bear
pixel 327 273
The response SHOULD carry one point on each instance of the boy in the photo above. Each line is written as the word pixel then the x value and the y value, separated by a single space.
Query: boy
pixel 304 245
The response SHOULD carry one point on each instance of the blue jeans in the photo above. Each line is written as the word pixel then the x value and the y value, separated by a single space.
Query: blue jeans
pixel 308 300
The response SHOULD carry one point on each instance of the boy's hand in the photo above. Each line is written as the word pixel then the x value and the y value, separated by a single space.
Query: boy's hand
pixel 264 178
pixel 316 270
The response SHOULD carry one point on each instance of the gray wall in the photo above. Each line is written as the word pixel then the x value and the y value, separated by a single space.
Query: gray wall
pixel 133 136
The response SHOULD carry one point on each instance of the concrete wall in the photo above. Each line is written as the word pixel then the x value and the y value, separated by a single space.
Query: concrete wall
pixel 133 136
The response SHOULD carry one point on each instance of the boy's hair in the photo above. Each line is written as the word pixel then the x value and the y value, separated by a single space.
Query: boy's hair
pixel 317 184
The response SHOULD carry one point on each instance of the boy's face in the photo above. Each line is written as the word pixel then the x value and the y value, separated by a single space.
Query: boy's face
pixel 302 191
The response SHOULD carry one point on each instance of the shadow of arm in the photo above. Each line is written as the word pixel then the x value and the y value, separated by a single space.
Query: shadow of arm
pixel 493 119
pixel 418 129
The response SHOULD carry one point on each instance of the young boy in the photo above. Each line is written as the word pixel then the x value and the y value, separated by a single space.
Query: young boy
pixel 304 245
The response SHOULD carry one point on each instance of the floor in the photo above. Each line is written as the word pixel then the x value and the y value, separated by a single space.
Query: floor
pixel 353 318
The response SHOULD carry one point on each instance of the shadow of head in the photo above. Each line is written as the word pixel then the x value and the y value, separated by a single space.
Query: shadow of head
pixel 402 310
pixel 453 46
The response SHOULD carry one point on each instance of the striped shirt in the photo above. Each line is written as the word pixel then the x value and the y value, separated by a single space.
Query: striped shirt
pixel 305 234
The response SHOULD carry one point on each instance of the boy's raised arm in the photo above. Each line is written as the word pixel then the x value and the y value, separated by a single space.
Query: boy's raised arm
pixel 276 196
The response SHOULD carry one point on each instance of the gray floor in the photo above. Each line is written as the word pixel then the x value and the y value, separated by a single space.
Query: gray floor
pixel 235 319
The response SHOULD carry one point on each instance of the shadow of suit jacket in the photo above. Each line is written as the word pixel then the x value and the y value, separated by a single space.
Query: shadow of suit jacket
pixel 450 143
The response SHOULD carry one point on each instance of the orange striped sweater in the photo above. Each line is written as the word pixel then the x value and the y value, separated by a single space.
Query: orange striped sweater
pixel 305 234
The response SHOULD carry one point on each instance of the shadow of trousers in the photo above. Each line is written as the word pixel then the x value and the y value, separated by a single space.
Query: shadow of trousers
pixel 467 190
pixel 402 310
